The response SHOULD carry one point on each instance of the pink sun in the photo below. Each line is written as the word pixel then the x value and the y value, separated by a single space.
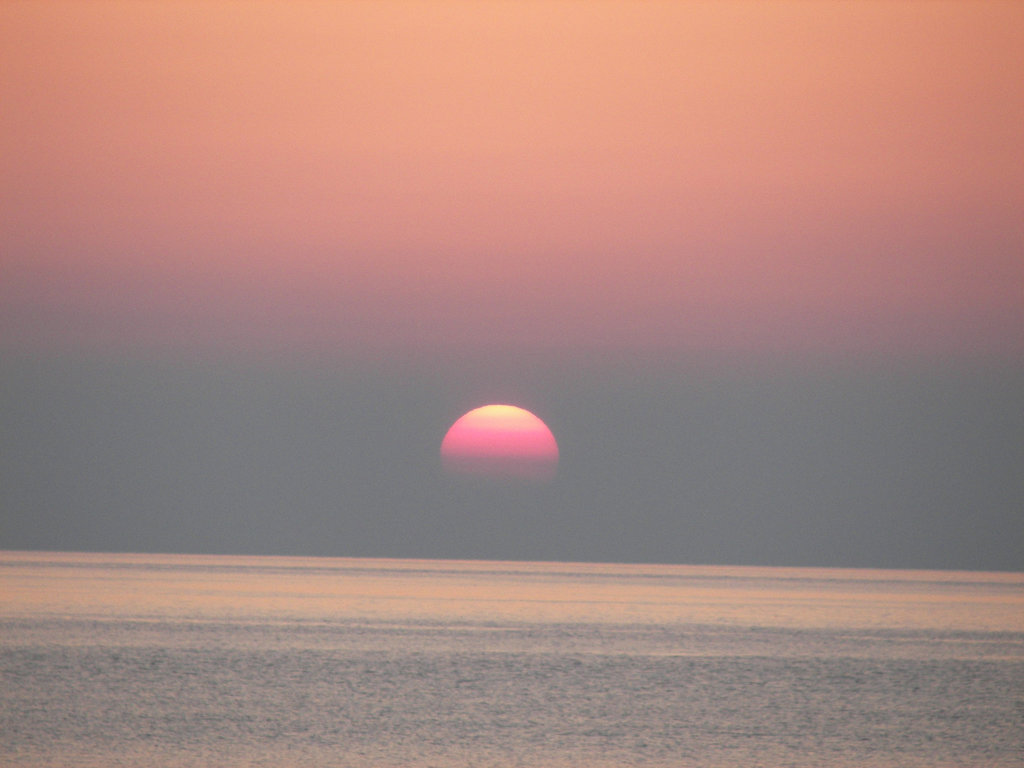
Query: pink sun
pixel 501 442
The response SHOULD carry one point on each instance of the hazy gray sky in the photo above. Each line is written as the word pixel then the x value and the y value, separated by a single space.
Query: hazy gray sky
pixel 916 467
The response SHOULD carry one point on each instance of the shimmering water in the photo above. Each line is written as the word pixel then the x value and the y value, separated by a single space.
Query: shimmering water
pixel 157 660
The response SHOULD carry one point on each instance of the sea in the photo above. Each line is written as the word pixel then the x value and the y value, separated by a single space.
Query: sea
pixel 195 660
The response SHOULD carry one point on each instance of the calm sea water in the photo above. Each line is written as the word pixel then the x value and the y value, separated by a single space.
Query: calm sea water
pixel 157 660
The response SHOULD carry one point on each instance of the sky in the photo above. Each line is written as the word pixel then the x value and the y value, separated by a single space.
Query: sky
pixel 759 266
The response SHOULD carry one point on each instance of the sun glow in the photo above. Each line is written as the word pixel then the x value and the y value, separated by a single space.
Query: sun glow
pixel 500 442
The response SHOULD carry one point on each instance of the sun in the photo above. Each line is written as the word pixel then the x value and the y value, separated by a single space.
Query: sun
pixel 502 442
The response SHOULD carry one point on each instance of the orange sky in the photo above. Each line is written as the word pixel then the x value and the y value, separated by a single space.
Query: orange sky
pixel 734 176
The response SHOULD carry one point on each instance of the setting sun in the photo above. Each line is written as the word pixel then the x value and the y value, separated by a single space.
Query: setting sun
pixel 502 442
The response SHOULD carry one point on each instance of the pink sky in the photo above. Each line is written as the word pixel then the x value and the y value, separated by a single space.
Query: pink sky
pixel 362 176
